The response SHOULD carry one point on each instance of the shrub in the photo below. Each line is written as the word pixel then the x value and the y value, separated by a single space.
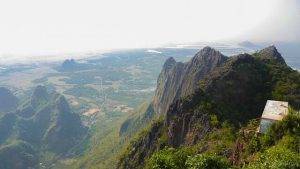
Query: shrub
pixel 276 157
pixel 290 142
pixel 254 145
pixel 207 161
pixel 290 125
pixel 169 158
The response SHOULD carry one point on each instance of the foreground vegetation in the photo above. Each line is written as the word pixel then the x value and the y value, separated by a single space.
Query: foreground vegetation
pixel 225 148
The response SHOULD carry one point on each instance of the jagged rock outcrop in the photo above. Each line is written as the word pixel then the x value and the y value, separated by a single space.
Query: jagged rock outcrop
pixel 271 53
pixel 8 101
pixel 181 79
pixel 235 91
pixel 177 80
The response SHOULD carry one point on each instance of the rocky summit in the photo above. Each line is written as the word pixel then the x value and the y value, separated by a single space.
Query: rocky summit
pixel 181 79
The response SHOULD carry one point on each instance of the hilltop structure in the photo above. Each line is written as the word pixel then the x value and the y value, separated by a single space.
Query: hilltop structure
pixel 274 111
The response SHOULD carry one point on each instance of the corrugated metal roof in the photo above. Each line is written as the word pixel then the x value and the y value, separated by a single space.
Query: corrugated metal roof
pixel 274 111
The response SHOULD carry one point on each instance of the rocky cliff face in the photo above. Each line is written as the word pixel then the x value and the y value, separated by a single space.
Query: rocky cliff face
pixel 271 53
pixel 181 79
pixel 176 80
pixel 234 90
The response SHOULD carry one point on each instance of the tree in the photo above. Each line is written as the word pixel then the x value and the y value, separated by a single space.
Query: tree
pixel 207 161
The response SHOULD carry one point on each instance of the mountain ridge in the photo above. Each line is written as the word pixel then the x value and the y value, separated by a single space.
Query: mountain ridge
pixel 180 79
pixel 234 92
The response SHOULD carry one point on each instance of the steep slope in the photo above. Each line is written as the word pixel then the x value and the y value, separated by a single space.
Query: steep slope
pixel 176 80
pixel 181 79
pixel 143 115
pixel 234 92
pixel 8 101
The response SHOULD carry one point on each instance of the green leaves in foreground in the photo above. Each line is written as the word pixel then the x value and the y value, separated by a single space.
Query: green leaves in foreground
pixel 277 157
pixel 182 158
pixel 207 161
pixel 279 148
pixel 169 158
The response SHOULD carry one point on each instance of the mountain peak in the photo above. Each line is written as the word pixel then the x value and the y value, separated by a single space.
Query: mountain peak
pixel 68 65
pixel 208 56
pixel 207 49
pixel 208 53
pixel 68 62
pixel 39 96
pixel 62 104
pixel 40 91
pixel 179 79
pixel 169 63
pixel 271 53
pixel 271 49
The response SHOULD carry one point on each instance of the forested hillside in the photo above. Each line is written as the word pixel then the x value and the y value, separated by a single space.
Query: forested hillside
pixel 42 127
pixel 215 126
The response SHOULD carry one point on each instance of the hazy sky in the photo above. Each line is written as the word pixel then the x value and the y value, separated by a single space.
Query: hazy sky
pixel 33 27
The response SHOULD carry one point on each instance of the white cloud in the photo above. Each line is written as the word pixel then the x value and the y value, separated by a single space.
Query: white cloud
pixel 153 51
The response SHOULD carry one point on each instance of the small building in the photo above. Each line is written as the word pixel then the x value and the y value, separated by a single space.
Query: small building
pixel 274 111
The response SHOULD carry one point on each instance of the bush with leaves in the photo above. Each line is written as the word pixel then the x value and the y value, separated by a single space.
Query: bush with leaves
pixel 169 158
pixel 290 125
pixel 207 161
pixel 275 158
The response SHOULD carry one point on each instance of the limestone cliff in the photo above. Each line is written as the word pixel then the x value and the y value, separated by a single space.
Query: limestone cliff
pixel 182 79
